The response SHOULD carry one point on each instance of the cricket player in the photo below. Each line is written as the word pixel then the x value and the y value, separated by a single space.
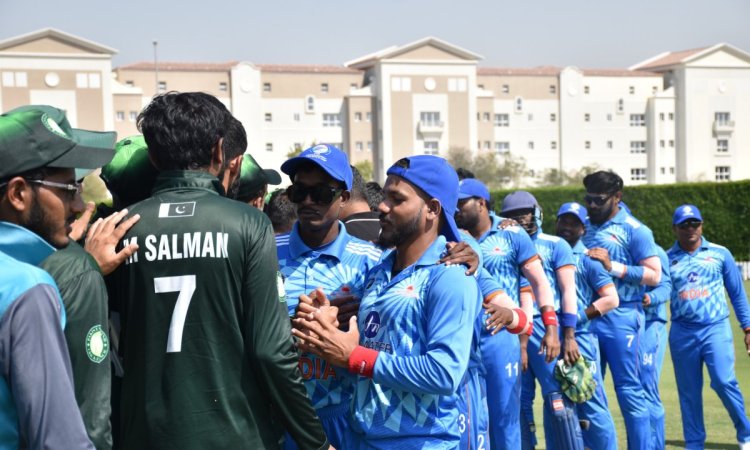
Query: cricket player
pixel 597 296
pixel 700 333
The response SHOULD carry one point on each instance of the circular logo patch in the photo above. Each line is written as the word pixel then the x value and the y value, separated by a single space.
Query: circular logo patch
pixel 280 287
pixel 97 344
pixel 52 126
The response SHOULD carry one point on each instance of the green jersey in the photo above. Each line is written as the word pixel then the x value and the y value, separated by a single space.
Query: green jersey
pixel 206 341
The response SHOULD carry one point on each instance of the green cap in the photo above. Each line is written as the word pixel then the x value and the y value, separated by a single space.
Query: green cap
pixel 253 178
pixel 130 176
pixel 36 136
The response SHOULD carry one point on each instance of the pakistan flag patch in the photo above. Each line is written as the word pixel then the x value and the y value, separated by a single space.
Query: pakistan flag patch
pixel 97 344
pixel 280 287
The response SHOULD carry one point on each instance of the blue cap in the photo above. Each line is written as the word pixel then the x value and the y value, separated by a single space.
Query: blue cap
pixel 329 158
pixel 471 187
pixel 686 212
pixel 438 180
pixel 574 208
pixel 519 200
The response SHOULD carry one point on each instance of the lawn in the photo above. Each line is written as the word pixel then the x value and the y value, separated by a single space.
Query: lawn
pixel 719 429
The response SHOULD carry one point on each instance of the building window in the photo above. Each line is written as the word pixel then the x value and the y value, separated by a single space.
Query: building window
pixel 661 117
pixel 609 145
pixel 82 80
pixel 266 87
pixel 609 117
pixel 552 89
pixel 631 90
pixel 671 143
pixel 671 116
pixel 369 145
pixel 486 117
pixel 269 146
pixel 553 117
pixel 637 146
pixel 587 117
pixel 723 173
pixel 722 146
pixel 722 118
pixel 620 106
pixel 368 116
pixel 637 120
pixel 358 146
pixel 15 79
pixel 480 86
pixel 309 104
pixel 400 84
pixel 586 90
pixel 331 120
pixel 671 170
pixel 531 145
pixel 269 117
pixel 519 104
pixel 531 117
pixel 553 145
pixel 324 87
pixel 162 86
pixel 654 89
pixel 587 145
pixel 487 145
pixel 358 117
pixel 223 86
pixel 296 117
pixel 663 170
pixel 502 147
pixel 430 147
pixel 130 83
pixel 353 86
pixel 661 143
pixel 120 116
pixel 502 120
pixel 95 81
pixel 430 118
pixel 638 174
pixel 133 116
pixel 505 89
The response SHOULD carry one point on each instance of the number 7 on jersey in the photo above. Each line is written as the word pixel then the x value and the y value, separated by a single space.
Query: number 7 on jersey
pixel 185 285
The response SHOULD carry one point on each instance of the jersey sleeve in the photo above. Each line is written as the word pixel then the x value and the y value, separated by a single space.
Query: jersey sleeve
pixel 737 295
pixel 661 293
pixel 268 337
pixel 562 255
pixel 39 372
pixel 596 275
pixel 440 369
pixel 487 284
pixel 524 247
pixel 642 244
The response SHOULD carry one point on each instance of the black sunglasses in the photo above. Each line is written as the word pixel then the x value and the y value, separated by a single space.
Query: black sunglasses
pixel 596 199
pixel 689 224
pixel 320 193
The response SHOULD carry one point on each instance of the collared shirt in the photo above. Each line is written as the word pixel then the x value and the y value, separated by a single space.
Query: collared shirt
pixel 555 253
pixel 629 242
pixel 591 278
pixel 698 281
pixel 340 268
pixel 421 321
pixel 659 294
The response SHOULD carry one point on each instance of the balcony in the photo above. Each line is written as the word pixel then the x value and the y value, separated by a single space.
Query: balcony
pixel 430 129
pixel 723 127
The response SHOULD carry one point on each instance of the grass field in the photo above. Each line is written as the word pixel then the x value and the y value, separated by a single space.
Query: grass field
pixel 719 429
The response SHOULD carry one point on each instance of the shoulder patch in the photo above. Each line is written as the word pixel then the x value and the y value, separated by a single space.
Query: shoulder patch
pixel 97 344
pixel 280 287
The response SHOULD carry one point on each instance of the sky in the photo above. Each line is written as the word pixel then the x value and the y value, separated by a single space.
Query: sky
pixel 519 33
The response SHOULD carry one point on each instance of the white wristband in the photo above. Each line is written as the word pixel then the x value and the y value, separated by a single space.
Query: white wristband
pixel 618 270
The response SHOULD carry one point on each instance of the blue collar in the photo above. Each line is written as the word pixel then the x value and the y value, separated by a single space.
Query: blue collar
pixel 334 248
pixel 23 245
pixel 618 218
pixel 579 247
pixel 430 256
pixel 704 245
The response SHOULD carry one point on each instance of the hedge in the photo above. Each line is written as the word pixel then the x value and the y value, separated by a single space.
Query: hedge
pixel 725 208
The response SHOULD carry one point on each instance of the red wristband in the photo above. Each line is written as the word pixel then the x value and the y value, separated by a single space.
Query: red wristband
pixel 530 331
pixel 362 361
pixel 522 322
pixel 549 318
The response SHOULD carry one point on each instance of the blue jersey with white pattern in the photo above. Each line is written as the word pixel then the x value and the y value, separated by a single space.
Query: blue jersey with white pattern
pixel 340 268
pixel 659 294
pixel 628 242
pixel 555 253
pixel 504 252
pixel 421 321
pixel 591 277
pixel 698 281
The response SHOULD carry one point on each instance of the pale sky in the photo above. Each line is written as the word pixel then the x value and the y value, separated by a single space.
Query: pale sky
pixel 519 33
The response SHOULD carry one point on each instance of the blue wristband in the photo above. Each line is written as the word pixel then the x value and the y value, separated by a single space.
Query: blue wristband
pixel 568 320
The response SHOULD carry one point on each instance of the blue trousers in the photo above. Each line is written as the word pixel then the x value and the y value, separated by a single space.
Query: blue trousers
pixel 472 412
pixel 501 356
pixel 620 334
pixel 653 349
pixel 601 433
pixel 692 345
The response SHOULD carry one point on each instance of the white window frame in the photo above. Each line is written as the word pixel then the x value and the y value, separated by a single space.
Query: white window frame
pixel 638 174
pixel 637 147
pixel 723 173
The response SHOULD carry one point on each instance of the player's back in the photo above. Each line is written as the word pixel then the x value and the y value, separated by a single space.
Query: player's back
pixel 204 273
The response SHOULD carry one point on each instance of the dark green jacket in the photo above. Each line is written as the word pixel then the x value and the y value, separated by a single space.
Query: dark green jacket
pixel 84 295
pixel 206 342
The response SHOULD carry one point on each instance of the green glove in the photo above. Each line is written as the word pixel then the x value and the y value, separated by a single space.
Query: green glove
pixel 576 381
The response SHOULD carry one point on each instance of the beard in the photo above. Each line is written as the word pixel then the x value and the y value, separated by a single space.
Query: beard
pixel 41 224
pixel 398 234
pixel 467 221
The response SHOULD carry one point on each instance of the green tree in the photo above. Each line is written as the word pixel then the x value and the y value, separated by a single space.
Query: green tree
pixel 497 172
pixel 365 169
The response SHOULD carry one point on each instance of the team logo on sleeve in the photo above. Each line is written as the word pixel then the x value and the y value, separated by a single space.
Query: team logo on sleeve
pixel 97 344
pixel 185 209
pixel 372 324
pixel 280 287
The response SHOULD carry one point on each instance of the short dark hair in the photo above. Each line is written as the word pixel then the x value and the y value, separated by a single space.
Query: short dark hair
pixel 464 173
pixel 235 139
pixel 358 190
pixel 281 211
pixel 374 195
pixel 181 129
pixel 603 182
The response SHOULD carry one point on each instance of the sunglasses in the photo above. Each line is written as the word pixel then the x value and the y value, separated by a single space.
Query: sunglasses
pixel 596 199
pixel 320 193
pixel 689 224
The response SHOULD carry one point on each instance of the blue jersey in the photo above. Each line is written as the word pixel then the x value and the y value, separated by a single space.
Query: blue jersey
pixel 555 253
pixel 591 278
pixel 340 268
pixel 698 282
pixel 659 294
pixel 504 252
pixel 628 242
pixel 421 321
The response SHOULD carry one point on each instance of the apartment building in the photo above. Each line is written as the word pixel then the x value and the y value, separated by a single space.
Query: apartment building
pixel 675 117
